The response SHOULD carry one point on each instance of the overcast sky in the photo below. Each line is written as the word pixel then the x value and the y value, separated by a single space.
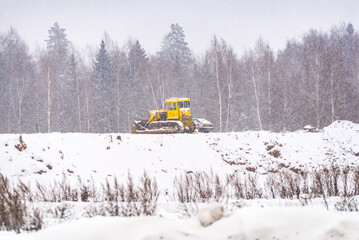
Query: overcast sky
pixel 240 23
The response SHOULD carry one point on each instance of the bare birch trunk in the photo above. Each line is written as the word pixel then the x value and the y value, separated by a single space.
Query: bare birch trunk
pixel 230 70
pixel 48 101
pixel 12 105
pixel 317 80
pixel 87 110
pixel 11 108
pixel 152 91
pixel 332 96
pixel 219 92
pixel 78 101
pixel 269 92
pixel 118 103
pixel 257 98
pixel 285 103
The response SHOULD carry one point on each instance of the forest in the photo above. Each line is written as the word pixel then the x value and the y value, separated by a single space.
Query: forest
pixel 313 80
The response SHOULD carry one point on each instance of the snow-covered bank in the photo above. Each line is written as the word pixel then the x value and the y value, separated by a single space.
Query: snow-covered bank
pixel 248 223
pixel 49 156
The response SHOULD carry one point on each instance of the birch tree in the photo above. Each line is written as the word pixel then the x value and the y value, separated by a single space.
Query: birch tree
pixel 17 83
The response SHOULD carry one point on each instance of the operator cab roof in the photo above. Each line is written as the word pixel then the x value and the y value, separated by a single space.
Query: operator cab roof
pixel 174 99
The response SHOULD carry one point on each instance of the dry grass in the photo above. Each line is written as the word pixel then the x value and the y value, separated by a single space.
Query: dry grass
pixel 135 197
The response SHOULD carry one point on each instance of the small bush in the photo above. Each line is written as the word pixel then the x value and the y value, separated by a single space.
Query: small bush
pixel 348 204
pixel 12 207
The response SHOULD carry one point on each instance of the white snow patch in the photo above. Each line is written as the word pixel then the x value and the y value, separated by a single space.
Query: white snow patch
pixel 301 223
pixel 210 213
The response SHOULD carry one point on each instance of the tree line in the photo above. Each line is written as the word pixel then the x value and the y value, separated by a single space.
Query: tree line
pixel 313 80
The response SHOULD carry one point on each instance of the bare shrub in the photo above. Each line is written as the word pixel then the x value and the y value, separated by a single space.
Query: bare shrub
pixel 203 186
pixel 84 191
pixel 200 187
pixel 271 184
pixel 112 199
pixel 25 191
pixel 333 188
pixel 184 190
pixel 318 188
pixel 12 208
pixel 67 192
pixel 355 181
pixel 304 189
pixel 63 211
pixel 41 193
pixel 34 220
pixel 348 204
pixel 219 189
pixel 305 199
pixel 252 189
pixel 148 194
pixel 290 184
pixel 236 182
pixel 131 199
pixel 345 179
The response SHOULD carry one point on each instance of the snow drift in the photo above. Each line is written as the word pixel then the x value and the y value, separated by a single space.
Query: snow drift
pixel 248 223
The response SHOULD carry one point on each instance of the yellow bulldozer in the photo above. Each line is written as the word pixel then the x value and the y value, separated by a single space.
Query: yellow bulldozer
pixel 176 118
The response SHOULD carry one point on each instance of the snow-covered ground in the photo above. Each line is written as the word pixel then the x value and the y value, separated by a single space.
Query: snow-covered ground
pixel 247 223
pixel 50 157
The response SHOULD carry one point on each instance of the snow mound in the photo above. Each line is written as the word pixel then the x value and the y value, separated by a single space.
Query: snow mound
pixel 342 125
pixel 211 213
pixel 298 223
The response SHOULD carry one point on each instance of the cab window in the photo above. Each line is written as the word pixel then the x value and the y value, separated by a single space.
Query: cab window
pixel 170 106
pixel 186 104
pixel 174 106
pixel 180 104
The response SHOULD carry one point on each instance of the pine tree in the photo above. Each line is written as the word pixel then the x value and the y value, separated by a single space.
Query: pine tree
pixel 102 66
pixel 177 63
pixel 104 92
pixel 137 59
pixel 57 41
pixel 175 48
pixel 70 106
pixel 52 74
pixel 137 89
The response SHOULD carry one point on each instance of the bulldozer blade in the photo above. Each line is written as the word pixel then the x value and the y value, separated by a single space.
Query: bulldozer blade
pixel 202 125
pixel 157 127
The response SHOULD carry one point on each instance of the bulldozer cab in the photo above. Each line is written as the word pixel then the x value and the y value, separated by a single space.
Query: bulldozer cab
pixel 174 106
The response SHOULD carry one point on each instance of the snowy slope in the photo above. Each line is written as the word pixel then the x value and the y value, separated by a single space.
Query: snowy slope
pixel 49 156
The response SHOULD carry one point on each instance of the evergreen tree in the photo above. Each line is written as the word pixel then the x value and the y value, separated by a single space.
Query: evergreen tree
pixel 103 92
pixel 57 41
pixel 102 66
pixel 52 75
pixel 137 59
pixel 137 89
pixel 177 60
pixel 175 48
pixel 70 120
